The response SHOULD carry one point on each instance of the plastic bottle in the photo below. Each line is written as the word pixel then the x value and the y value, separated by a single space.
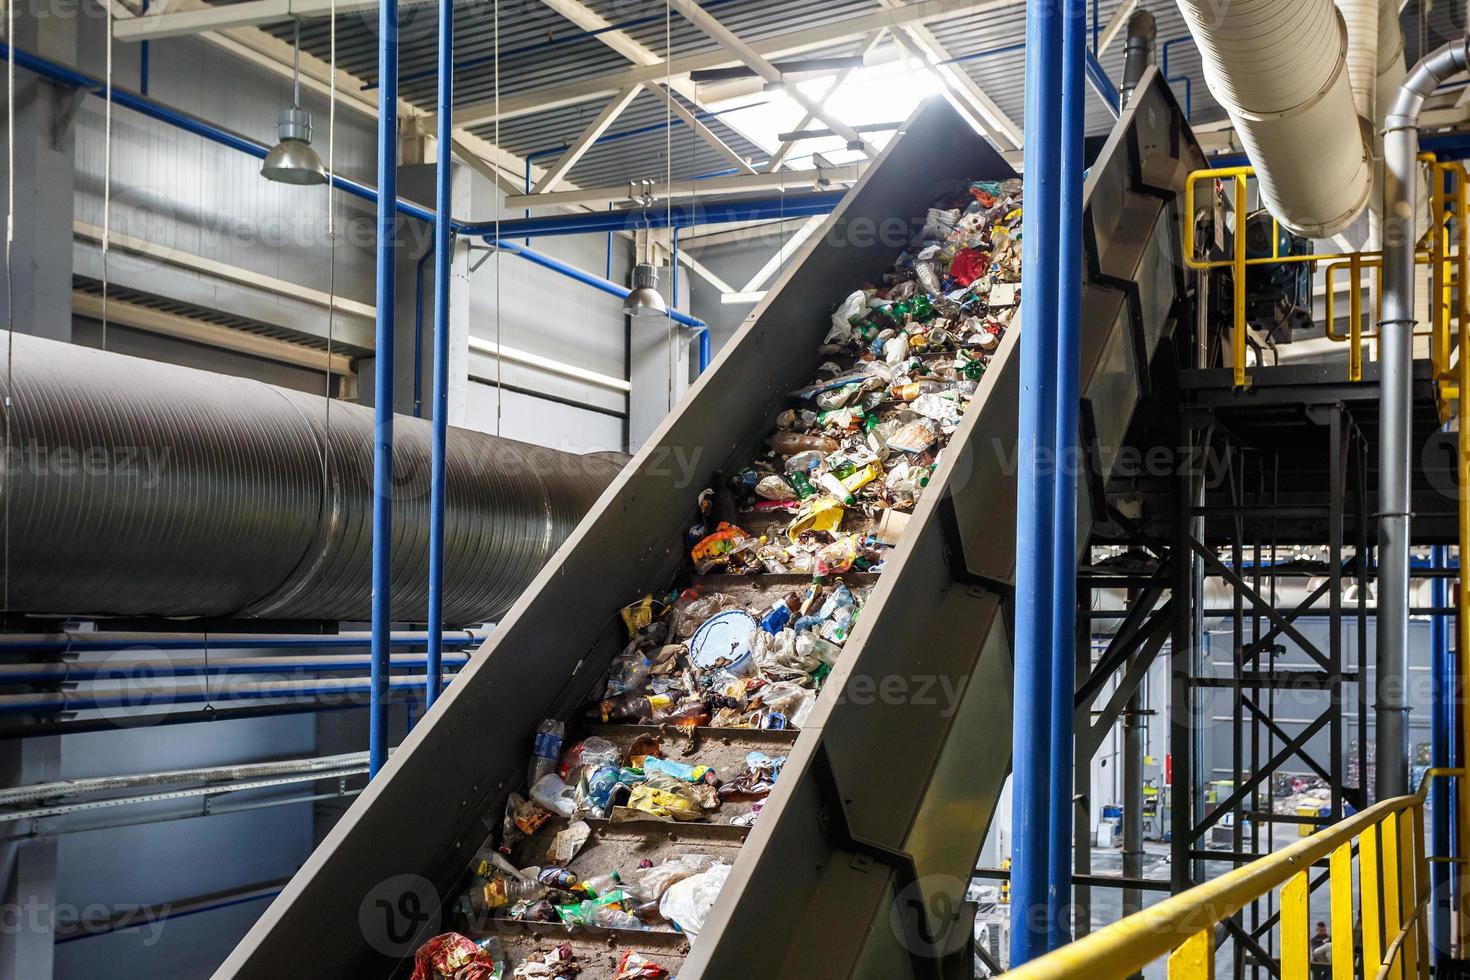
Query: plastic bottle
pixel 500 892
pixel 559 878
pixel 547 750
pixel 598 885
pixel 630 707
pixel 787 443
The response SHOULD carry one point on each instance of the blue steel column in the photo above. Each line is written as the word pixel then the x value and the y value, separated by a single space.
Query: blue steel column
pixel 1064 547
pixel 1441 667
pixel 1035 487
pixel 383 381
pixel 442 262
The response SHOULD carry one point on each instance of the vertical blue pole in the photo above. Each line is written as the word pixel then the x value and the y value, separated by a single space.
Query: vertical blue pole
pixel 383 381
pixel 143 53
pixel 442 262
pixel 704 349
pixel 1064 546
pixel 1031 732
pixel 1441 737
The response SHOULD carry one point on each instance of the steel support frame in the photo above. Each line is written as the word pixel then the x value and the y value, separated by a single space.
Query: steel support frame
pixel 1260 746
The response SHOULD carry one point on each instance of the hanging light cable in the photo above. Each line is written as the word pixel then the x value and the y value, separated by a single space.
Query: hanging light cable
pixel 292 160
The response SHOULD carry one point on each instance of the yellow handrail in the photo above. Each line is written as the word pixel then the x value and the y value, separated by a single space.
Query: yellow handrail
pixel 1392 867
pixel 1448 269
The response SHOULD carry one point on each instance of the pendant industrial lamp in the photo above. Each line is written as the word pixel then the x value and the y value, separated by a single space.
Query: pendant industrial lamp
pixel 292 160
pixel 645 300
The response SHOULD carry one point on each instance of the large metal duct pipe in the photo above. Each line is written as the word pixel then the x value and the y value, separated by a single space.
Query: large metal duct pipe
pixel 137 488
pixel 1139 55
pixel 1279 67
pixel 1400 232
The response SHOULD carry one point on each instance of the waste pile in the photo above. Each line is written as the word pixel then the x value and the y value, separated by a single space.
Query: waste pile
pixel 633 824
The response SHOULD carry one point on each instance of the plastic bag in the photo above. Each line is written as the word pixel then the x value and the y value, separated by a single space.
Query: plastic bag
pixel 588 755
pixel 635 967
pixel 915 437
pixel 817 514
pixel 664 804
pixel 687 903
pixel 649 884
pixel 693 609
pixel 775 488
pixel 456 956
pixel 847 311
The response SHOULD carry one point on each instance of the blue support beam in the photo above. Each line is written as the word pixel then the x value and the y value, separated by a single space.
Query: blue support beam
pixel 679 214
pixel 1441 756
pixel 1098 78
pixel 1036 489
pixel 382 599
pixel 1076 56
pixel 444 250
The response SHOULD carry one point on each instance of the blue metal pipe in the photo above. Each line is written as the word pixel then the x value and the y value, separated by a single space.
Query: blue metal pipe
pixel 679 214
pixel 383 382
pixel 265 665
pixel 418 333
pixel 1031 725
pixel 1075 55
pixel 1164 70
pixel 1098 78
pixel 135 701
pixel 704 349
pixel 443 222
pixel 143 53
pixel 1441 660
pixel 94 643
pixel 586 278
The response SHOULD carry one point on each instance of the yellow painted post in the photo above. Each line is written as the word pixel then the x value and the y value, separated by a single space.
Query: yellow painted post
pixel 1295 962
pixel 1462 591
pixel 1422 886
pixel 1408 895
pixel 1340 880
pixel 1195 960
pixel 1355 316
pixel 1438 330
pixel 1393 880
pixel 1238 273
pixel 1370 881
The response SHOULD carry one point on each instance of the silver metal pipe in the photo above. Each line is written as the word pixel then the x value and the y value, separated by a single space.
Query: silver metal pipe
pixel 1139 54
pixel 1401 174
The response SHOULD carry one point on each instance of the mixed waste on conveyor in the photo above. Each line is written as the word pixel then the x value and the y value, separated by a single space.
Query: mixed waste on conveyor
pixel 632 826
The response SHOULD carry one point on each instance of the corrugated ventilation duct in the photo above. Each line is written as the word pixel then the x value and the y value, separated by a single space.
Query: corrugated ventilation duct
pixel 1279 67
pixel 145 489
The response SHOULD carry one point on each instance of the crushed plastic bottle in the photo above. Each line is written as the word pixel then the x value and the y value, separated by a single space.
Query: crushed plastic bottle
pixel 547 749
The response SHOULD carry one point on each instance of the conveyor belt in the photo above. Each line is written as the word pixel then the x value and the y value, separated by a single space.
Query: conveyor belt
pixel 858 862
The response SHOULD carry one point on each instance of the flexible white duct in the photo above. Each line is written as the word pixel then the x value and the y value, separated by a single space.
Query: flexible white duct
pixel 1279 67
pixel 1362 19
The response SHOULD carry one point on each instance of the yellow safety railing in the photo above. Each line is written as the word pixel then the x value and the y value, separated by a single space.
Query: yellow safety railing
pixel 1393 888
pixel 1450 280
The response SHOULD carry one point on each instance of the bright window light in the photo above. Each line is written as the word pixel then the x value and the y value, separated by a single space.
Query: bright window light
pixel 879 94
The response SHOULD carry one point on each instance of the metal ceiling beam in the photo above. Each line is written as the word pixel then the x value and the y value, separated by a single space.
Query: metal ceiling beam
pixel 782 151
pixel 847 29
pixel 591 134
pixel 959 88
pixel 752 59
pixel 251 13
pixel 1115 25
pixel 272 54
pixel 626 45
pixel 601 197
pixel 702 131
